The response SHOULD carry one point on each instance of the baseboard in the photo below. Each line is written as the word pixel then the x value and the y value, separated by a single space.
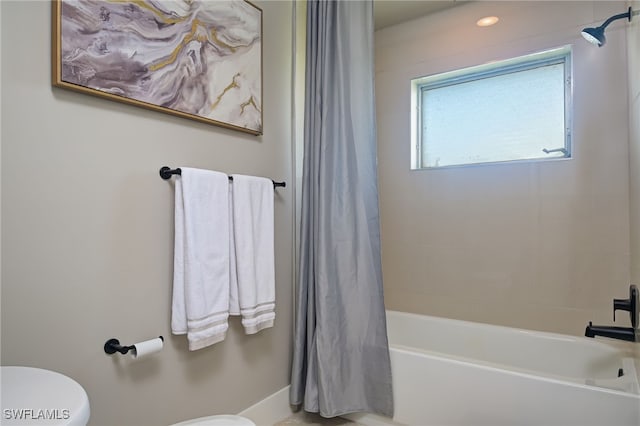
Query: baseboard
pixel 270 410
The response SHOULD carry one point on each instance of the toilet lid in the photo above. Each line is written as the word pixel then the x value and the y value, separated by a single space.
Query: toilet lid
pixel 36 396
pixel 221 420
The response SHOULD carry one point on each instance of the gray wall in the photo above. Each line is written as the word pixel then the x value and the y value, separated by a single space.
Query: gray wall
pixel 538 245
pixel 87 233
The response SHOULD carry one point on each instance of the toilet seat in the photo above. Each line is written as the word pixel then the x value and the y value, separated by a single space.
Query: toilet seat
pixel 220 420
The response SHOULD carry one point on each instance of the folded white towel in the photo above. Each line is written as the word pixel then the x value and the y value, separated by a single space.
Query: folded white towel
pixel 200 305
pixel 253 235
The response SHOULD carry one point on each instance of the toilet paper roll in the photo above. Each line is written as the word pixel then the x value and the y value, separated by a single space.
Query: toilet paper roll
pixel 146 348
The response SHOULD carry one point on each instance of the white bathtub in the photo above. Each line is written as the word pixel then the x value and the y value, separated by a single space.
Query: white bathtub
pixel 449 372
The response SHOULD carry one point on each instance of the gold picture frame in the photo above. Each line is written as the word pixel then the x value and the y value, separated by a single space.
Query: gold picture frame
pixel 200 60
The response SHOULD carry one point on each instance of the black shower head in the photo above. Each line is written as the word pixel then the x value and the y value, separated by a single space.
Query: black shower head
pixel 596 35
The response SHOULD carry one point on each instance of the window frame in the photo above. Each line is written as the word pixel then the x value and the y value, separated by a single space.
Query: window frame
pixel 561 55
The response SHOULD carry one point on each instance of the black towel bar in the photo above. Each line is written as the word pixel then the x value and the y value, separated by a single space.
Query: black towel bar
pixel 167 172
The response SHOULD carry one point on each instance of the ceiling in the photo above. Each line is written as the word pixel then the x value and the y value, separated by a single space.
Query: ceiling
pixel 391 12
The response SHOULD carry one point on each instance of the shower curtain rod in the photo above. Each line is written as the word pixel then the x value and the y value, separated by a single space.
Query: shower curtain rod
pixel 167 172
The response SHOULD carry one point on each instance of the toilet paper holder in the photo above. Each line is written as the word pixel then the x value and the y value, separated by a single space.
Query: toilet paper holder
pixel 112 346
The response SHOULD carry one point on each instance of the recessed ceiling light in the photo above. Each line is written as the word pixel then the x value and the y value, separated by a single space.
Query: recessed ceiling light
pixel 487 21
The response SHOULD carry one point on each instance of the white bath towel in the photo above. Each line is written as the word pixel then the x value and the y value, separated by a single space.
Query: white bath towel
pixel 253 236
pixel 234 302
pixel 200 306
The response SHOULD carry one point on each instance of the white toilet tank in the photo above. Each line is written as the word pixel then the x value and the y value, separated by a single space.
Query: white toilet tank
pixel 220 420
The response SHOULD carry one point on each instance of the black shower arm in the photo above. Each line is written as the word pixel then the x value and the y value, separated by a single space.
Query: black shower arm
pixel 627 15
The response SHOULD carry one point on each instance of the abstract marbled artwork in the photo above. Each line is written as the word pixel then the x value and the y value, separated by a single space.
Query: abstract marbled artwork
pixel 199 59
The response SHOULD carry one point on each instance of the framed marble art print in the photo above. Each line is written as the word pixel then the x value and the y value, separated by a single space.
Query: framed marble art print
pixel 197 59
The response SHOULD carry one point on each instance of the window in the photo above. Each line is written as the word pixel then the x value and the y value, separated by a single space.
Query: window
pixel 512 110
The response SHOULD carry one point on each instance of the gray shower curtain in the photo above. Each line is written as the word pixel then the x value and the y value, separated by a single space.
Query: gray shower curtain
pixel 341 354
